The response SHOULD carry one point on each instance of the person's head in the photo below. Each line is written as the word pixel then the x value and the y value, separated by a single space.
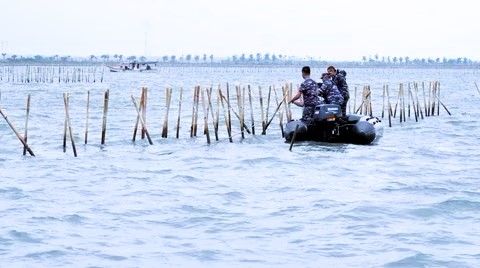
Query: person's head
pixel 305 71
pixel 325 76
pixel 331 71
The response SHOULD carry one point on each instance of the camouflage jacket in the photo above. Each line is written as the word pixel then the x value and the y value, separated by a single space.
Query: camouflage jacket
pixel 341 83
pixel 330 93
pixel 309 90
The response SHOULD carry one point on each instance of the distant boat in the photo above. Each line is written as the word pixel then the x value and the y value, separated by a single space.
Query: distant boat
pixel 147 66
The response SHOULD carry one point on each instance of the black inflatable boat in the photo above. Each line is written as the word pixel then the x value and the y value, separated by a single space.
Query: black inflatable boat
pixel 328 125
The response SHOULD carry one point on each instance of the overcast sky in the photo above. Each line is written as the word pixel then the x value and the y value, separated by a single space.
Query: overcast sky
pixel 336 30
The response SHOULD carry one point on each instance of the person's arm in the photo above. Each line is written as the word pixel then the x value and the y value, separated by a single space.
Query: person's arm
pixel 296 97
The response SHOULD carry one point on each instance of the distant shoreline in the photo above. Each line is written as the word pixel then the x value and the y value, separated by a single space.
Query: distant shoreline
pixel 296 64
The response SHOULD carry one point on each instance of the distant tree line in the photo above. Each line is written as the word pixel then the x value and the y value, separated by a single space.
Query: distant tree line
pixel 261 59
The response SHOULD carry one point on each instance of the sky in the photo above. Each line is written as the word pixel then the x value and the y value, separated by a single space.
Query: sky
pixel 330 30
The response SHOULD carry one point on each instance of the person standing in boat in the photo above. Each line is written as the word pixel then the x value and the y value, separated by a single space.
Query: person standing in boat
pixel 309 91
pixel 329 92
pixel 338 78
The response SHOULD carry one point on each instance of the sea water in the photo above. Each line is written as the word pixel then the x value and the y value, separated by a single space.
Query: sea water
pixel 412 199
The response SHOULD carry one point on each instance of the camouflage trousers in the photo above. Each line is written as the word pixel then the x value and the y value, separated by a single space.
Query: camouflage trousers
pixel 307 114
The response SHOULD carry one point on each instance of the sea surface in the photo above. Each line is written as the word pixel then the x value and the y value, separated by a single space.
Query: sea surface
pixel 411 199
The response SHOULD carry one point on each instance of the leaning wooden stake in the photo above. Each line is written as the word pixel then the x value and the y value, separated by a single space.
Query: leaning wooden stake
pixel 105 111
pixel 86 120
pixel 67 118
pixel 478 90
pixel 293 137
pixel 141 120
pixel 25 136
pixel 20 138
pixel 274 113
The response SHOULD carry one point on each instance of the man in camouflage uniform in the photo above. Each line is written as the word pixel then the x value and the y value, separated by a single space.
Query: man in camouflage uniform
pixel 309 90
pixel 329 91
pixel 339 80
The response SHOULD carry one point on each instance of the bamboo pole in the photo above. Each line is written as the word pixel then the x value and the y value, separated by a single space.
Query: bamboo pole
pixel 25 136
pixel 476 86
pixel 238 117
pixel 261 110
pixel 20 138
pixel 143 108
pixel 193 111
pixel 239 104
pixel 197 103
pixel 383 102
pixel 276 110
pixel 67 118
pixel 217 115
pixel 268 100
pixel 443 105
pixel 280 114
pixel 293 137
pixel 419 110
pixel 135 129
pixel 168 98
pixel 389 107
pixel 355 100
pixel 179 112
pixel 205 118
pixel 105 111
pixel 141 120
pixel 210 110
pixel 251 108
pixel 229 131
pixel 86 119
pixel 413 104
pixel 438 98
pixel 229 108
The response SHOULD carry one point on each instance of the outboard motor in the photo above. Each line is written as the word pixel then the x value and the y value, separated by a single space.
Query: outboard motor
pixel 327 112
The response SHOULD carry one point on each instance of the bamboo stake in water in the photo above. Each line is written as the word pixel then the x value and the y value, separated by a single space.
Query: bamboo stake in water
pixel 389 107
pixel 276 110
pixel 168 98
pixel 67 118
pixel 438 97
pixel 142 99
pixel 86 120
pixel 105 111
pixel 239 104
pixel 293 137
pixel 251 109
pixel 179 112
pixel 229 131
pixel 383 102
pixel 238 117
pixel 20 138
pixel 280 114
pixel 413 104
pixel 355 99
pixel 25 136
pixel 205 118
pixel 143 108
pixel 261 110
pixel 141 120
pixel 478 90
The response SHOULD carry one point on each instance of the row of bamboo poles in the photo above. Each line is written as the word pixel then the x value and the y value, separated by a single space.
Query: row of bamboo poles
pixel 51 74
pixel 223 108
pixel 407 102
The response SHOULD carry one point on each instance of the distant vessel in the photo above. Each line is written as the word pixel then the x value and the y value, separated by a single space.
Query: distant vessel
pixel 147 66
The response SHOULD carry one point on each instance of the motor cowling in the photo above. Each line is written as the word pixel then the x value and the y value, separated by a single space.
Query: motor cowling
pixel 327 112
